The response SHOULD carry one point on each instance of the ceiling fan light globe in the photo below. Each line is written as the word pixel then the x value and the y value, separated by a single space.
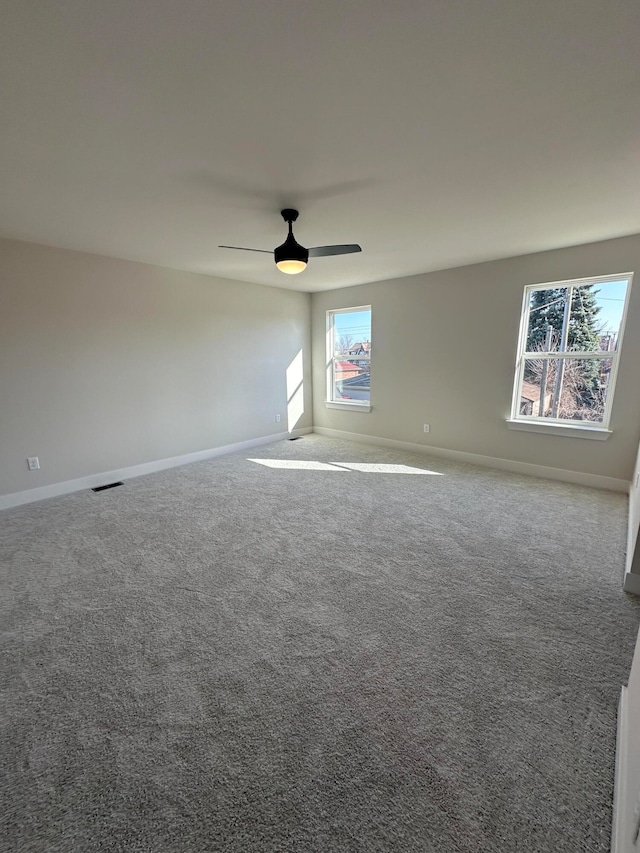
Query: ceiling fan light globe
pixel 291 267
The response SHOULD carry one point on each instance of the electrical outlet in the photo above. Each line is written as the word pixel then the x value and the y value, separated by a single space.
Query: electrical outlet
pixel 427 428
pixel 277 419
pixel 33 462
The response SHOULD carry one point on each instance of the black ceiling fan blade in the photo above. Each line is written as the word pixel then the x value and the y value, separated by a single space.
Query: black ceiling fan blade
pixel 244 249
pixel 323 251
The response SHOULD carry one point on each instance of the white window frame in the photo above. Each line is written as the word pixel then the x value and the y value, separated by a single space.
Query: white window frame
pixel 564 426
pixel 330 403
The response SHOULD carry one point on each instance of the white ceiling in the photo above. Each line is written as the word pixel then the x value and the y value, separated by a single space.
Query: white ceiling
pixel 433 132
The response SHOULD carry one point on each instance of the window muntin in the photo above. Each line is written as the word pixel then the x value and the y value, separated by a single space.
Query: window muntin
pixel 349 356
pixel 570 339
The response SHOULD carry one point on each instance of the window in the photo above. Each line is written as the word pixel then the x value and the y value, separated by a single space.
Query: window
pixel 570 337
pixel 349 358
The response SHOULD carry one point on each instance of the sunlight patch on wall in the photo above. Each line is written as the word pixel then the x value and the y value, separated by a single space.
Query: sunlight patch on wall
pixel 295 391
pixel 328 348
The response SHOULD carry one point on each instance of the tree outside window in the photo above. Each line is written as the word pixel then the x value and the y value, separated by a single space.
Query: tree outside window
pixel 569 348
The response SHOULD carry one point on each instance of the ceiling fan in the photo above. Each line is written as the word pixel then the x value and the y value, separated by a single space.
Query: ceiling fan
pixel 291 257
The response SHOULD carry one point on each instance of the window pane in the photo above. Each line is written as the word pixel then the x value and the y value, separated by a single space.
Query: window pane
pixel 351 381
pixel 352 333
pixel 574 389
pixel 546 313
pixel 536 376
pixel 596 316
pixel 593 319
pixel 351 356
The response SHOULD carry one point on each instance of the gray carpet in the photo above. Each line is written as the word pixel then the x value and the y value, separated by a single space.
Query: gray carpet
pixel 236 657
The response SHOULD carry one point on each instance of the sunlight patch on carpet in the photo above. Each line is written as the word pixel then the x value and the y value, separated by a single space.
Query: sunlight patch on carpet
pixel 363 467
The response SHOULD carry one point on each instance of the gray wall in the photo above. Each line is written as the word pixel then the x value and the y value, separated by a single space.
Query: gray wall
pixel 107 363
pixel 633 545
pixel 443 353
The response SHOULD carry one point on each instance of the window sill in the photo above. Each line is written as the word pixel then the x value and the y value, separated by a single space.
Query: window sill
pixel 568 430
pixel 349 407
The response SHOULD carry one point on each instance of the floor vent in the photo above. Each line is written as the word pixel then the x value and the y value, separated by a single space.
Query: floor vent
pixel 108 486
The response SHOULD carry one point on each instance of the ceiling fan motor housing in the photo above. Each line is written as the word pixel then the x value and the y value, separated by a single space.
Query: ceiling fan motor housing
pixel 291 250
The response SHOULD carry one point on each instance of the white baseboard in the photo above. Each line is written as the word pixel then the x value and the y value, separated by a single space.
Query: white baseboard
pixel 92 480
pixel 631 583
pixel 595 481
pixel 620 793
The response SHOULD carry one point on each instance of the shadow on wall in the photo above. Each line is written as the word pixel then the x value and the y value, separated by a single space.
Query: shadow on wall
pixel 295 391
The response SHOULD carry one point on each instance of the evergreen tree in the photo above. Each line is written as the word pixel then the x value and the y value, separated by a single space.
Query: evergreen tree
pixel 547 312
pixel 583 335
pixel 583 330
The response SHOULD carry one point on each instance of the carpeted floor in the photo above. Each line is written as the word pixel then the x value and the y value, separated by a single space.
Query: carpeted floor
pixel 238 656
